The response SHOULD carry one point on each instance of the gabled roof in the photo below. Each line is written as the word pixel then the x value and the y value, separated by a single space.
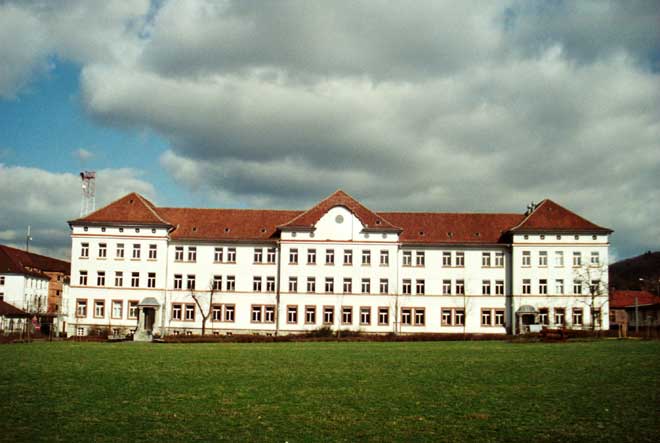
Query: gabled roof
pixel 11 311
pixel 429 227
pixel 225 224
pixel 16 261
pixel 626 299
pixel 369 219
pixel 549 216
pixel 132 208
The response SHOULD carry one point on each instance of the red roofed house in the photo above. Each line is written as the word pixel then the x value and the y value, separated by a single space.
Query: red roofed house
pixel 140 268
pixel 641 308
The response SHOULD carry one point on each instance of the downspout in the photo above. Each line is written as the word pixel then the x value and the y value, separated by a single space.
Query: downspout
pixel 511 290
pixel 167 279
pixel 278 285
pixel 396 290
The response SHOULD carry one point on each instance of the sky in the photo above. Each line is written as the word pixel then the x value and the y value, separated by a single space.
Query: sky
pixel 471 106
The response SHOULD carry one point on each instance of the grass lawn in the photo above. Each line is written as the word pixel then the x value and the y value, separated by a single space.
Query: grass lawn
pixel 429 391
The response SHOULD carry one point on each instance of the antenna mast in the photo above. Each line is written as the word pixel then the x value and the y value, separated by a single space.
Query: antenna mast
pixel 88 202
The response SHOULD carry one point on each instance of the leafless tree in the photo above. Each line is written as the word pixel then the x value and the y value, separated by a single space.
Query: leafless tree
pixel 199 301
pixel 591 277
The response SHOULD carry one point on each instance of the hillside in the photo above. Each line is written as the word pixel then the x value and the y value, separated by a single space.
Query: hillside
pixel 625 274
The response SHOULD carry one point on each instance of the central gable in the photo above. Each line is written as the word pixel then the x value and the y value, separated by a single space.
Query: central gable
pixel 338 223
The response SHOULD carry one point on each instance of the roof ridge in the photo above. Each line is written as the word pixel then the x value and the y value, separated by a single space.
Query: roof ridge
pixel 442 213
pixel 34 253
pixel 529 215
pixel 229 209
pixel 151 207
pixel 317 204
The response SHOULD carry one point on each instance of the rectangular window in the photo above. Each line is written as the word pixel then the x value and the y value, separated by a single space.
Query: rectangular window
pixel 310 315
pixel 346 315
pixel 293 256
pixel 190 312
pixel 407 258
pixel 99 308
pixel 119 279
pixel 446 318
pixel 348 257
pixel 84 250
pixel 292 314
pixel 258 255
pixel 577 287
pixel 103 250
pixel 577 259
pixel 178 281
pixel 499 287
pixel 153 252
pixel 270 255
pixel 459 317
pixel 527 286
pixel 83 278
pixel 460 259
pixel 230 313
pixel 2 280
pixel 365 315
pixel 117 308
pixel 178 253
pixel 293 284
pixel 231 255
pixel 485 259
pixel 527 258
pixel 216 313
pixel 577 316
pixel 256 284
pixel 543 286
pixel 135 280
pixel 328 314
pixel 231 283
pixel 460 287
pixel 407 286
pixel 486 317
pixel 559 258
pixel 217 282
pixel 446 287
pixel 151 280
pixel 420 258
pixel 559 287
pixel 192 253
pixel 420 286
pixel 136 250
pixel 81 308
pixel 270 284
pixel 383 316
pixel 420 317
pixel 348 285
pixel 366 258
pixel 329 284
pixel 499 317
pixel 485 287
pixel 311 256
pixel 132 309
pixel 595 258
pixel 543 316
pixel 269 314
pixel 311 284
pixel 384 286
pixel 560 314
pixel 329 256
pixel 366 285
pixel 120 250
pixel 384 257
pixel 446 259
pixel 217 255
pixel 499 259
pixel 594 287
pixel 543 258
pixel 100 278
pixel 190 282
pixel 406 316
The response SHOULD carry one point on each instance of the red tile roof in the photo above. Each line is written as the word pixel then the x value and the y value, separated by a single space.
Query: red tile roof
pixel 11 311
pixel 549 216
pixel 16 261
pixel 132 208
pixel 369 219
pixel 626 299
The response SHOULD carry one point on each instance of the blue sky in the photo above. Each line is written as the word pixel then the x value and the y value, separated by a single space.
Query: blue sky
pixel 444 106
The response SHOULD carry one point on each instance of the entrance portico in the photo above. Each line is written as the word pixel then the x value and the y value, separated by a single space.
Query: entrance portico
pixel 147 311
pixel 527 319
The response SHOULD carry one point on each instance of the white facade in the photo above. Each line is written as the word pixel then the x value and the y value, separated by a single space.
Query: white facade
pixel 26 292
pixel 338 273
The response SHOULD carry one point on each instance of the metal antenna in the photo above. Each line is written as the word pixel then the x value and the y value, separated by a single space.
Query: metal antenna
pixel 28 238
pixel 88 202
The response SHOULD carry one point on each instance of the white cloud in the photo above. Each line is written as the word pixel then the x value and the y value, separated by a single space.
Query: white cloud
pixel 83 154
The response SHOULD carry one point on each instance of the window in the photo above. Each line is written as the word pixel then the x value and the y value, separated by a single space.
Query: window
pixel 543 258
pixel 347 315
pixel 577 259
pixel 413 316
pixel 459 317
pixel 559 286
pixel 577 316
pixel 446 259
pixel 269 314
pixel 120 250
pixel 446 317
pixel 84 250
pixel 132 309
pixel 153 252
pixel 543 286
pixel 83 278
pixel 119 279
pixel 100 278
pixel 543 316
pixel 103 250
pixel 365 315
pixel 366 285
pixel 292 314
pixel 99 308
pixel 217 282
pixel 81 308
pixel 460 287
pixel 311 284
pixel 270 284
pixel 192 253
pixel 231 283
pixel 485 287
pixel 383 316
pixel 384 258
pixel 420 286
pixel 485 259
pixel 217 255
pixel 559 316
pixel 596 317
pixel 348 257
pixel 384 286
pixel 216 313
pixel 328 314
pixel 420 317
pixel 190 312
pixel 258 255
pixel 178 253
pixel 329 284
pixel 577 287
pixel 366 258
pixel 117 308
pixel 329 256
pixel 136 251
pixel 311 256
pixel 486 317
pixel 559 258
pixel 231 255
pixel 190 281
pixel 594 287
pixel 460 259
pixel 420 258
pixel 230 313
pixel 178 281
pixel 135 280
pixel 293 284
pixel 151 280
pixel 348 285
pixel 293 256
pixel 527 258
pixel 499 259
pixel 256 284
pixel 499 287
pixel 270 255
pixel 80 332
pixel 407 258
pixel 527 286
pixel 407 286
pixel 595 258
pixel 310 315
pixel 2 280
pixel 499 317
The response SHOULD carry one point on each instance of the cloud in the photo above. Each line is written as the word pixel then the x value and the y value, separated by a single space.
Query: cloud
pixel 47 200
pixel 82 154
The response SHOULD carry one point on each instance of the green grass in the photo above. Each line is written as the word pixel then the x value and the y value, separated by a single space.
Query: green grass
pixel 428 391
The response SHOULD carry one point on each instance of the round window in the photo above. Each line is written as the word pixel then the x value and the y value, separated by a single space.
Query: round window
pixel 339 219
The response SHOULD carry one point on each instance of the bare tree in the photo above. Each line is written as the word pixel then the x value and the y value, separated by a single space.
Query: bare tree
pixel 591 277
pixel 199 299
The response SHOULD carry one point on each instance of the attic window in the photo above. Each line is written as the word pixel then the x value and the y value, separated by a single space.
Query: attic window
pixel 263 230
pixel 593 237
pixel 526 237
pixel 121 229
pixel 153 231
pixel 194 229
pixel 421 233
pixel 85 229
pixel 102 229
pixel 577 237
pixel 450 234
pixel 377 222
pixel 477 234
pixel 130 201
pixel 227 229
pixel 137 229
pixel 542 237
pixel 559 237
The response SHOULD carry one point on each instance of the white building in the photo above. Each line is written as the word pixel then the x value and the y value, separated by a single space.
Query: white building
pixel 338 265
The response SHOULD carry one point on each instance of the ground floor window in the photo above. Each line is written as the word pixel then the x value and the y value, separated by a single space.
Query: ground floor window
pixel 543 316
pixel 263 314
pixel 577 316
pixel 347 315
pixel 365 315
pixel 328 314
pixel 81 308
pixel 383 316
pixel 453 316
pixel 310 315
pixel 132 309
pixel 413 316
pixel 559 316
pixel 492 317
pixel 80 332
pixel 176 311
pixel 292 314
